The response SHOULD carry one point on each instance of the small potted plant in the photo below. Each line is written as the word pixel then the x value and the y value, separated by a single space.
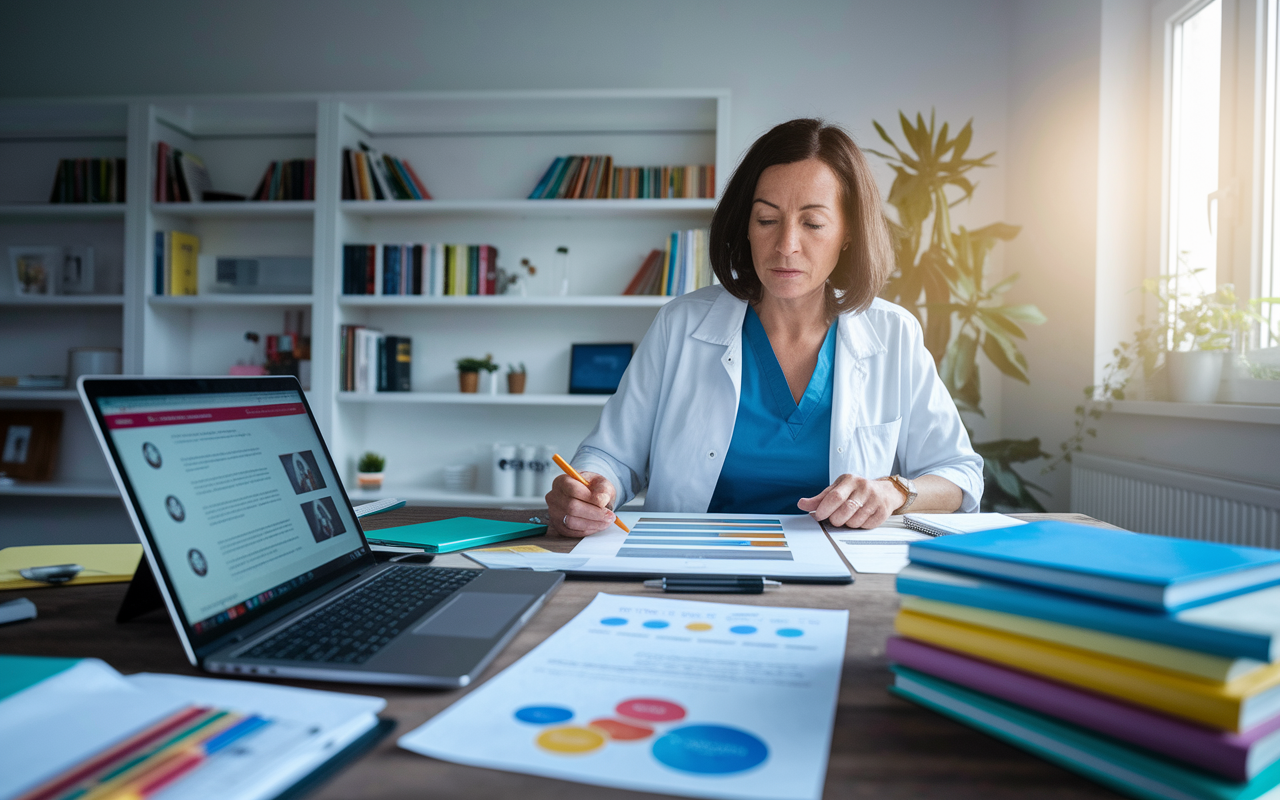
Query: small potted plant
pixel 369 470
pixel 516 378
pixel 469 372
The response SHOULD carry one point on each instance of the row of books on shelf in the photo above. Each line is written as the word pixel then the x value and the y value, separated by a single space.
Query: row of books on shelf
pixel 1155 671
pixel 681 267
pixel 596 178
pixel 370 175
pixel 89 180
pixel 371 361
pixel 436 270
pixel 288 180
pixel 175 258
pixel 181 177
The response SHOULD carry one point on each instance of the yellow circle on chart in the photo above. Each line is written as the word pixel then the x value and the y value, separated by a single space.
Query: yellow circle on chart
pixel 698 626
pixel 570 740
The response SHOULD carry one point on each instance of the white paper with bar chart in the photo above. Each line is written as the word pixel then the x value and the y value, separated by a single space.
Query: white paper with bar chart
pixel 778 546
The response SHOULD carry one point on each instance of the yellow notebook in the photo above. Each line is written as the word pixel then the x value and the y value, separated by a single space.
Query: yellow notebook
pixel 103 563
pixel 1189 663
pixel 1234 706
pixel 182 263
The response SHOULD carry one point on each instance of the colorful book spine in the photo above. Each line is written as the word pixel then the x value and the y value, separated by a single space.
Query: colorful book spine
pixel 1222 752
pixel 1225 706
pixel 1214 628
pixel 1127 769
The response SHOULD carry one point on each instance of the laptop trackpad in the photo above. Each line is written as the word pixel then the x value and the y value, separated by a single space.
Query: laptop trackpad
pixel 475 615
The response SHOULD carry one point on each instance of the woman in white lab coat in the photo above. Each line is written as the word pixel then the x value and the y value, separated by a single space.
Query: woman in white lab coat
pixel 790 387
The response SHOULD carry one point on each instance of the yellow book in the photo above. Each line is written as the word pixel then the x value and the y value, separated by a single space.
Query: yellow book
pixel 1234 706
pixel 1189 663
pixel 103 563
pixel 182 263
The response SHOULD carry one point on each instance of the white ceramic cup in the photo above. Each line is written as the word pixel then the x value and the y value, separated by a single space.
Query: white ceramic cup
pixel 526 454
pixel 505 468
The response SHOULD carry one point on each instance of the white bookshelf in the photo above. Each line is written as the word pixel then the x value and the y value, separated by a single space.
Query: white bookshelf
pixel 479 153
pixel 38 331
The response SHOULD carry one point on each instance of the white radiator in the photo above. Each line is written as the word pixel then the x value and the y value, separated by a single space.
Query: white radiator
pixel 1151 499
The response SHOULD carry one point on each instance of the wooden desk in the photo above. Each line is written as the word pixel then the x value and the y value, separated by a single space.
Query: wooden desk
pixel 882 747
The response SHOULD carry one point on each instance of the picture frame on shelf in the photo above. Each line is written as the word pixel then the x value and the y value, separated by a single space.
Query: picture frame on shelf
pixel 76 272
pixel 34 269
pixel 29 443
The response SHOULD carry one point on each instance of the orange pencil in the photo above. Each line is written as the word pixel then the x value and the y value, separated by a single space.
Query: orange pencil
pixel 573 473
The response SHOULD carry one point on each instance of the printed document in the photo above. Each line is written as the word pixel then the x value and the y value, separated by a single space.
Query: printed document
pixel 881 550
pixel 654 694
pixel 663 544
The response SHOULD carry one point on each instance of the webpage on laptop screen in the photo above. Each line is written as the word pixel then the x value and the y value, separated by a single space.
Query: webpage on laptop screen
pixel 240 499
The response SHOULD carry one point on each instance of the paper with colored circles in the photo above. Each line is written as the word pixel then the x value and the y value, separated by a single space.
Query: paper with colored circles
pixel 653 694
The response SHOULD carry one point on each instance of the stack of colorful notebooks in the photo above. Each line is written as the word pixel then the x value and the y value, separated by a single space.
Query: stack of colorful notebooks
pixel 1144 662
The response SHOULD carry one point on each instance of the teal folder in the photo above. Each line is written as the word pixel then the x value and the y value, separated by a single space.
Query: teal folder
pixel 448 535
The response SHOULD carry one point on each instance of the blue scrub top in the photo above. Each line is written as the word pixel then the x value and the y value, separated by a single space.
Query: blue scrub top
pixel 780 449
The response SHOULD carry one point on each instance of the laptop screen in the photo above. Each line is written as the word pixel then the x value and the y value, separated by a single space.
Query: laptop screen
pixel 238 494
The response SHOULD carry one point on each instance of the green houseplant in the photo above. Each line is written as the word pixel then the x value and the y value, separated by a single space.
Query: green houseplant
pixel 469 372
pixel 369 470
pixel 940 277
pixel 1186 342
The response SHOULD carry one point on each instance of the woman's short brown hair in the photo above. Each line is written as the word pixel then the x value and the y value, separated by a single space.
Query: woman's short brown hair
pixel 863 267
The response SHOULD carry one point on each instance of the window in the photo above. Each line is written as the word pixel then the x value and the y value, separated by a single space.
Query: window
pixel 1220 169
pixel 1195 82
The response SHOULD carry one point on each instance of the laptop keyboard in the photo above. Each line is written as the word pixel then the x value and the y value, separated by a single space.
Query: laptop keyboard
pixel 353 628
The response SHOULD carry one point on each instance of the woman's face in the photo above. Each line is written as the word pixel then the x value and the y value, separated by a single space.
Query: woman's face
pixel 797 230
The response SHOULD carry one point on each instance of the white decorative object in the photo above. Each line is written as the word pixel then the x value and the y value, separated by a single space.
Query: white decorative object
pixel 1194 375
pixel 92 361
pixel 459 477
pixel 526 454
pixel 544 471
pixel 505 468
pixel 35 269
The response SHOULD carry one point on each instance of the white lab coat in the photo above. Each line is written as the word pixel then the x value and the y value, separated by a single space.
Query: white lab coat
pixel 669 425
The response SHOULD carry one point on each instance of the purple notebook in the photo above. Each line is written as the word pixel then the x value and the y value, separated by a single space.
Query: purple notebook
pixel 1227 754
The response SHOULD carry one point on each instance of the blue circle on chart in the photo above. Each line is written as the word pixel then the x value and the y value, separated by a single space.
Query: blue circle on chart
pixel 613 621
pixel 656 623
pixel 710 750
pixel 790 633
pixel 544 715
pixel 742 629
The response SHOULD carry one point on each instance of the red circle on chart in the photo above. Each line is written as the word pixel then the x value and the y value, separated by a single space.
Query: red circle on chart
pixel 650 710
pixel 621 731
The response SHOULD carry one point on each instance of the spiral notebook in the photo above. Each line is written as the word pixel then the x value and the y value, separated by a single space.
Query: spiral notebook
pixel 949 524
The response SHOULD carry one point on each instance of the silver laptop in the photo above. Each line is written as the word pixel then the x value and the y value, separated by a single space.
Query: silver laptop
pixel 257 552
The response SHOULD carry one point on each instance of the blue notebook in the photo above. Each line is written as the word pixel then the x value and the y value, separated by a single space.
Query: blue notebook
pixel 1127 769
pixel 1243 626
pixel 1135 569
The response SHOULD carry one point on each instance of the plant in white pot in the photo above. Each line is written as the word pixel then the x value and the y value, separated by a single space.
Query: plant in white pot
pixel 369 470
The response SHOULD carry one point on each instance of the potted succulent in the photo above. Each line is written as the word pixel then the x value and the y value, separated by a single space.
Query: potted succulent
pixel 369 470
pixel 516 379
pixel 469 372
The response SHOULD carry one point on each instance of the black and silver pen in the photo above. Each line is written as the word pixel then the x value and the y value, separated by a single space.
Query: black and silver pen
pixel 719 584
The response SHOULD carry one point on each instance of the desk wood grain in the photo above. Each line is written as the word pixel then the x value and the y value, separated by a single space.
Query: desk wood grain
pixel 882 747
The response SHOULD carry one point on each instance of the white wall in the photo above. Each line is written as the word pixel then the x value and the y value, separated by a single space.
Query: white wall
pixel 1037 76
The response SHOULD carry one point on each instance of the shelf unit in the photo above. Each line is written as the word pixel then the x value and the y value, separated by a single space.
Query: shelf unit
pixel 38 331
pixel 479 154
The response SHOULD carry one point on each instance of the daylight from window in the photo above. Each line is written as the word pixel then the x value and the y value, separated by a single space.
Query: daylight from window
pixel 1191 255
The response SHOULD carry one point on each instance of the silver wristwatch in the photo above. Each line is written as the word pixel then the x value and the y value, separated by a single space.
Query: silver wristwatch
pixel 908 489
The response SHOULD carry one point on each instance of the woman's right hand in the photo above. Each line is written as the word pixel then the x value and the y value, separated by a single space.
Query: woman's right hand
pixel 576 510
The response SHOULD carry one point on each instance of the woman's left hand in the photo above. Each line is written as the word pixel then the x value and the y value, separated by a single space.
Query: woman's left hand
pixel 854 502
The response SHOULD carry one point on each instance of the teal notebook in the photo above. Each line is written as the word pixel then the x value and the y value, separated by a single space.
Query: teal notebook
pixel 1127 769
pixel 448 535
pixel 1157 572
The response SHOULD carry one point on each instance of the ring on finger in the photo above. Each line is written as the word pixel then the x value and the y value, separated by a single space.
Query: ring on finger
pixel 565 523
pixel 855 503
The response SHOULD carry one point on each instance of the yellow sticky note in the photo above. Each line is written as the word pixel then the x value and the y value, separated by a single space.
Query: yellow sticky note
pixel 103 563
pixel 515 548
